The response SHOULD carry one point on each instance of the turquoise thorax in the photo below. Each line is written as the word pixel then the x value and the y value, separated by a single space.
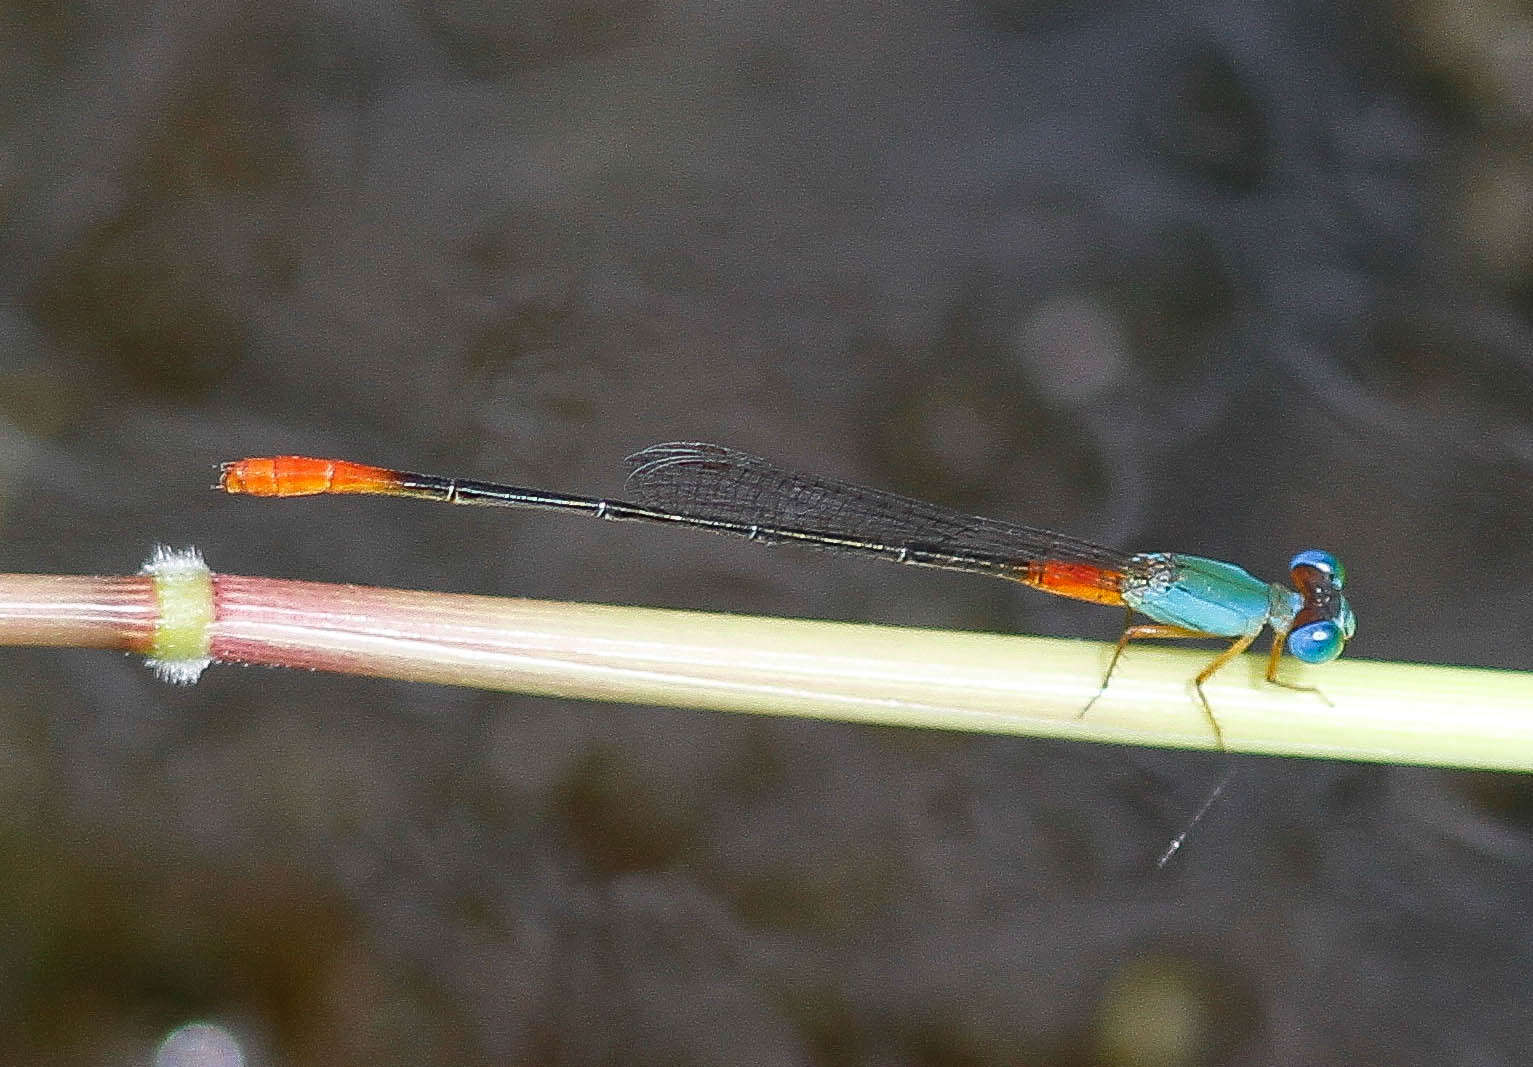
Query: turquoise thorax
pixel 1206 595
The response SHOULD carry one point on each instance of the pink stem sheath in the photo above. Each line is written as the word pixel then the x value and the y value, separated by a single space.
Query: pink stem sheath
pixel 588 651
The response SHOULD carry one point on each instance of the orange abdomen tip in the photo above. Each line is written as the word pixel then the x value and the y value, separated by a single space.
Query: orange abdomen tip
pixel 302 476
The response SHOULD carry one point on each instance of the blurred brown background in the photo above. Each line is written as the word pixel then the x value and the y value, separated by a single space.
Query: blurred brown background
pixel 1226 278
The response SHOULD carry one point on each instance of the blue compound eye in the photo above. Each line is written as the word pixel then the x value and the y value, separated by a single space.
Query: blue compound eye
pixel 1316 642
pixel 1321 561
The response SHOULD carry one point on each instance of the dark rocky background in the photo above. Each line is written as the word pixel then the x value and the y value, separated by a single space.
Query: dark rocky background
pixel 1229 278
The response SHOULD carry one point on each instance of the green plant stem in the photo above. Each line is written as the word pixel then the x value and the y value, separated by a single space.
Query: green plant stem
pixel 1387 712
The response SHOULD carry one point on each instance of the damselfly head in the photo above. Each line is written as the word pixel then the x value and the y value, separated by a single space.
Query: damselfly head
pixel 1324 623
